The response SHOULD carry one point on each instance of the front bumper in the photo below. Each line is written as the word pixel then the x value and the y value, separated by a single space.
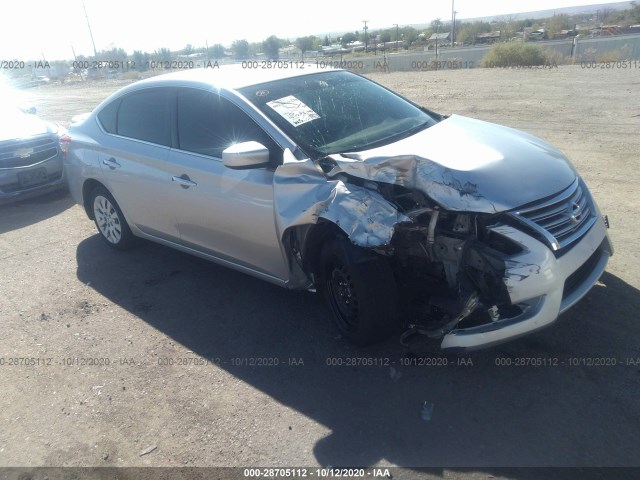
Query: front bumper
pixel 33 175
pixel 543 285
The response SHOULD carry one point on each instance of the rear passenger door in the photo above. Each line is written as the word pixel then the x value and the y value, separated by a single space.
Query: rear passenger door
pixel 133 159
pixel 220 211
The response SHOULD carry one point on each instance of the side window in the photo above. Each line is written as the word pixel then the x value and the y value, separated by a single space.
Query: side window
pixel 208 123
pixel 107 116
pixel 200 126
pixel 145 116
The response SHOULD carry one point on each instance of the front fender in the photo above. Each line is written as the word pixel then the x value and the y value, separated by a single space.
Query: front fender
pixel 303 194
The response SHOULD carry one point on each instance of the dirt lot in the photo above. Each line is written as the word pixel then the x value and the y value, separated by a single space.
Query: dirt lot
pixel 65 298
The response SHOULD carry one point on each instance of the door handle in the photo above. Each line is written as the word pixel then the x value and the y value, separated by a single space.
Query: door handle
pixel 184 181
pixel 111 163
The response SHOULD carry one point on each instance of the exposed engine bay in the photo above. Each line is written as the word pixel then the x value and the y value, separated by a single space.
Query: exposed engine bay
pixel 448 265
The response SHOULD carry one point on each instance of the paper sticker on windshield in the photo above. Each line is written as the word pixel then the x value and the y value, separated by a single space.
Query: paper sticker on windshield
pixel 293 110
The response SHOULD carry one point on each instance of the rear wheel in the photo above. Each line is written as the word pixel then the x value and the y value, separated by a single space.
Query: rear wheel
pixel 360 289
pixel 109 220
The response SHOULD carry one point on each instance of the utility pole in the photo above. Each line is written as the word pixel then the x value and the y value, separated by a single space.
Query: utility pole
pixel 397 36
pixel 453 21
pixel 396 25
pixel 75 58
pixel 365 35
pixel 437 33
pixel 95 52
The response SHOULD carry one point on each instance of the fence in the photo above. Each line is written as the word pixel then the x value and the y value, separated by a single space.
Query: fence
pixel 471 57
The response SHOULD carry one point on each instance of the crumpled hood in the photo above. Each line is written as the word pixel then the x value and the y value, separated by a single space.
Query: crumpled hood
pixel 466 165
pixel 17 125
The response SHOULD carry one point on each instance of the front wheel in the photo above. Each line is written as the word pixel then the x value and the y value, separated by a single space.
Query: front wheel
pixel 360 289
pixel 109 220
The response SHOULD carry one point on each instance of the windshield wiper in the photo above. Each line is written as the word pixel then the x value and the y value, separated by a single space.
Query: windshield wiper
pixel 385 141
pixel 414 130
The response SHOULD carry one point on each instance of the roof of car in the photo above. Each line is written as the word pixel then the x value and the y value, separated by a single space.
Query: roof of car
pixel 237 75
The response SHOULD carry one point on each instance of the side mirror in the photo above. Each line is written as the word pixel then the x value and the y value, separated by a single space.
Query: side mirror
pixel 245 155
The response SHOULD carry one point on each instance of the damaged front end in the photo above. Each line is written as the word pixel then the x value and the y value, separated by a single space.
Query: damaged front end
pixel 468 270
pixel 450 266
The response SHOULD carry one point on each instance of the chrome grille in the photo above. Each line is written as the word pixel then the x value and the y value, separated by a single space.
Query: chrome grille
pixel 563 219
pixel 24 153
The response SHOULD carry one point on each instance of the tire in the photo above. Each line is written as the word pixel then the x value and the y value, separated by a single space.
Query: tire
pixel 109 220
pixel 361 291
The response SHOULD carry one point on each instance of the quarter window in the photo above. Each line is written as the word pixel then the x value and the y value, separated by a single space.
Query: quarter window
pixel 107 116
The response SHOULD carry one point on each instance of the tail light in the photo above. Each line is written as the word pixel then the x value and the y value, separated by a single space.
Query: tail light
pixel 65 142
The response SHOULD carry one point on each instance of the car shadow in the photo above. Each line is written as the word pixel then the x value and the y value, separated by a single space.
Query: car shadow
pixel 492 408
pixel 22 213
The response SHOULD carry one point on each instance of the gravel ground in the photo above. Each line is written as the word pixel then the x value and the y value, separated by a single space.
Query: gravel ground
pixel 172 334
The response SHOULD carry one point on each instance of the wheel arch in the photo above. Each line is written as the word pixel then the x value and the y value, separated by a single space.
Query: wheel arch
pixel 313 241
pixel 87 187
pixel 303 245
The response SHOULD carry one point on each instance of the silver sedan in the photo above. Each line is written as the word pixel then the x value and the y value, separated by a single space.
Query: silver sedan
pixel 310 178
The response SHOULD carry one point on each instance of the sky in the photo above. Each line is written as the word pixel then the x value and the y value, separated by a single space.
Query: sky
pixel 37 29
